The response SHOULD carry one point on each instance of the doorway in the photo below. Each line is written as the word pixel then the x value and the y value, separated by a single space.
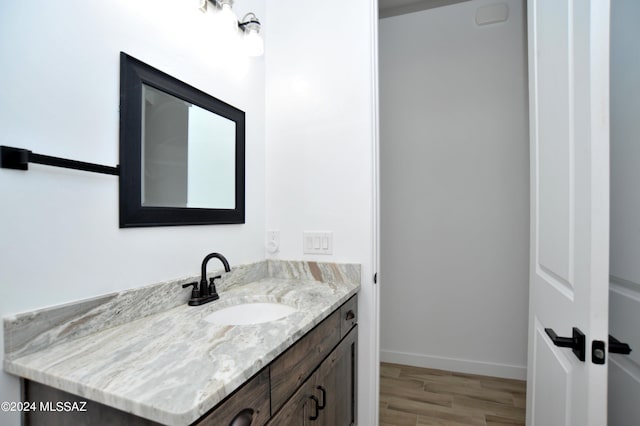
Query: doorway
pixel 399 327
pixel 454 177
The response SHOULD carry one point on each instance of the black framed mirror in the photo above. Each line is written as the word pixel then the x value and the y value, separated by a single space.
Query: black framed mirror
pixel 182 152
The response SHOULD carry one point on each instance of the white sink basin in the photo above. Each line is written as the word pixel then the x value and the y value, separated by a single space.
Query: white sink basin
pixel 250 313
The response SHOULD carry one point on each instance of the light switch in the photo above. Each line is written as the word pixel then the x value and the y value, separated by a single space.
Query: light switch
pixel 317 242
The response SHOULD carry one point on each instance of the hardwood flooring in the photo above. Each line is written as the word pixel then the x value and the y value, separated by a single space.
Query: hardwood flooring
pixel 415 396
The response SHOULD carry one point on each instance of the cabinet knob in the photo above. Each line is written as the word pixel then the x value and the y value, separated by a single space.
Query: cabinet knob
pixel 350 315
pixel 243 418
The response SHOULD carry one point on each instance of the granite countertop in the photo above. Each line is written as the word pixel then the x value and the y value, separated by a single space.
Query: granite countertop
pixel 171 366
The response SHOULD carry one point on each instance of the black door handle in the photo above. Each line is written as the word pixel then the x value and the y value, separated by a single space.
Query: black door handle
pixel 618 347
pixel 577 342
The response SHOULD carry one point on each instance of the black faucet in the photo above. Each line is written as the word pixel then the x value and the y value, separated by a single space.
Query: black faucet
pixel 206 292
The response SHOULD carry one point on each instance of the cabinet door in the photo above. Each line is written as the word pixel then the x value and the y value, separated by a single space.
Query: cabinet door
pixel 299 409
pixel 335 384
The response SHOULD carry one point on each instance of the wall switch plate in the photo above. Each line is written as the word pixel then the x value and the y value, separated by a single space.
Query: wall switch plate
pixel 317 242
pixel 273 241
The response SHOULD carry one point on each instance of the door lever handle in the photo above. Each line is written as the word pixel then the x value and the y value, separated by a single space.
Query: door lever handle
pixel 577 342
pixel 618 347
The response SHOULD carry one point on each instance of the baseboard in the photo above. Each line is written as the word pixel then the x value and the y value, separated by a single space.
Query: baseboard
pixel 454 364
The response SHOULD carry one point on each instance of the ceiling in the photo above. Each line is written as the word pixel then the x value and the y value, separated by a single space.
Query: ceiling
pixel 398 7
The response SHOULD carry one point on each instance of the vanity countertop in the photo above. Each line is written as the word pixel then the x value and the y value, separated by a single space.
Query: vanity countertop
pixel 172 366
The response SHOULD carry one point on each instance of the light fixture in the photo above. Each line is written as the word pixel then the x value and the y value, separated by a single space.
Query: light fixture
pixel 250 25
pixel 226 15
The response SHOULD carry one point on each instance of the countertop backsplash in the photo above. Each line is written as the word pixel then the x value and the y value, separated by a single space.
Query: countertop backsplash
pixel 34 331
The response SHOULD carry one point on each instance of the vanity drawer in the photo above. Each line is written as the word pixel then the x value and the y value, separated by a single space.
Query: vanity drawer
pixel 251 401
pixel 348 315
pixel 293 367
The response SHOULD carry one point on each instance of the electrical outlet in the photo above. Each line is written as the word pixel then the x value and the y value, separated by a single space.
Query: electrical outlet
pixel 273 241
pixel 317 242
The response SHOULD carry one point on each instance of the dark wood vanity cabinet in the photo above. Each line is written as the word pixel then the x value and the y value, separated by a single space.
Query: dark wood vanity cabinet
pixel 335 384
pixel 328 396
pixel 312 383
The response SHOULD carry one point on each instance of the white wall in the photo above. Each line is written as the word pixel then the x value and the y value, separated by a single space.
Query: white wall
pixel 59 235
pixel 624 295
pixel 454 190
pixel 320 145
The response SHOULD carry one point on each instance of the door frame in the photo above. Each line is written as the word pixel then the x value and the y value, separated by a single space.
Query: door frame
pixel 374 348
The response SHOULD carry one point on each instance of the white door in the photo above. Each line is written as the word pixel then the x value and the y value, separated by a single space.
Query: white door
pixel 569 269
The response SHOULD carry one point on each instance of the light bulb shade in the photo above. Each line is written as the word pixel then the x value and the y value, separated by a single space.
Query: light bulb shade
pixel 253 43
pixel 227 17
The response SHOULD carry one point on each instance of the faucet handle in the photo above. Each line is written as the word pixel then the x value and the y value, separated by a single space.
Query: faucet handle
pixel 212 284
pixel 195 293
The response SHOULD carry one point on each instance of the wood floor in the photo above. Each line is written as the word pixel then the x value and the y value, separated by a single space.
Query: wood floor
pixel 421 396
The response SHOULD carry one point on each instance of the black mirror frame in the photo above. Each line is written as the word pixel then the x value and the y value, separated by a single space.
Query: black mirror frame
pixel 133 73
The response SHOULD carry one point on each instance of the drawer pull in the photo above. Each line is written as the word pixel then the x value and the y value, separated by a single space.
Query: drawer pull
pixel 243 418
pixel 350 315
pixel 324 397
pixel 315 400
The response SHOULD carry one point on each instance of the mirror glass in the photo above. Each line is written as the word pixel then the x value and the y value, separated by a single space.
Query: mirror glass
pixel 181 152
pixel 188 154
